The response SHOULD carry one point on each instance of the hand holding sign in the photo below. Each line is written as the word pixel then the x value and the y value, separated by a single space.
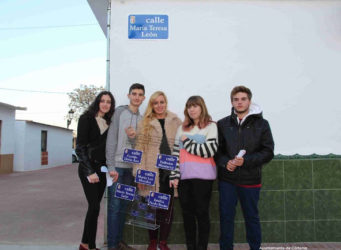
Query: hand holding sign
pixel 130 131
pixel 113 175
pixel 230 166
pixel 108 175
pixel 174 183
pixel 236 162
pixel 239 160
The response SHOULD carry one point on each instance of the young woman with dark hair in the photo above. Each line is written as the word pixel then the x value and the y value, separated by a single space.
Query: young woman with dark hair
pixel 91 140
pixel 196 170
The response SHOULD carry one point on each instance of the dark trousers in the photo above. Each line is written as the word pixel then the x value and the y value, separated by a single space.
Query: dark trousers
pixel 93 193
pixel 165 219
pixel 228 198
pixel 195 195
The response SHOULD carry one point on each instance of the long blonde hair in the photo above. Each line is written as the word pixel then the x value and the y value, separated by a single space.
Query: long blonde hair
pixel 144 139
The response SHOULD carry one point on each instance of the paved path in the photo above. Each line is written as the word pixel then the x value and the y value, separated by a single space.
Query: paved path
pixel 44 207
pixel 44 210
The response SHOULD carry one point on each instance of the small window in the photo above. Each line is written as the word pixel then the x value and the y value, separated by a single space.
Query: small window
pixel 43 141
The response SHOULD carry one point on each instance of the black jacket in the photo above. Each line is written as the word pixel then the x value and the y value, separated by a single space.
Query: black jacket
pixel 253 135
pixel 90 145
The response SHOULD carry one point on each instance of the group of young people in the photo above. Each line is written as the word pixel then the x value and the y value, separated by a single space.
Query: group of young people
pixel 235 148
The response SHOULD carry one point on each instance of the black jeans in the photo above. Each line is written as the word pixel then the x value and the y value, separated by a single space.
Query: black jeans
pixel 195 195
pixel 93 193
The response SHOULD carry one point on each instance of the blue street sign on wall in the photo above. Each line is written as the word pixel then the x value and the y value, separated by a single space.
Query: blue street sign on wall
pixel 148 27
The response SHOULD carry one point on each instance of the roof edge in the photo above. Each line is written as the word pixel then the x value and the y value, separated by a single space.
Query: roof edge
pixel 99 8
pixel 12 107
pixel 44 124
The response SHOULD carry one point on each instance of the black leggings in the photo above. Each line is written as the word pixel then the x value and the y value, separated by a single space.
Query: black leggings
pixel 194 196
pixel 93 193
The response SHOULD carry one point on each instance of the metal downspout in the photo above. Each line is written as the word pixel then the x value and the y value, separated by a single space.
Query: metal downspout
pixel 107 87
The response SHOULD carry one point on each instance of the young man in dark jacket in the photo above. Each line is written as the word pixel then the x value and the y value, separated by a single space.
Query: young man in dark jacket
pixel 240 175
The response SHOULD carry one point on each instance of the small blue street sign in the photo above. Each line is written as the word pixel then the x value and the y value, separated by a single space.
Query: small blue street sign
pixel 148 27
pixel 159 200
pixel 167 162
pixel 132 156
pixel 145 177
pixel 125 192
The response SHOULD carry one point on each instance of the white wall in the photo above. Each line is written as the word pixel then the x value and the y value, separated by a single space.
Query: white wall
pixel 287 52
pixel 59 146
pixel 20 144
pixel 7 115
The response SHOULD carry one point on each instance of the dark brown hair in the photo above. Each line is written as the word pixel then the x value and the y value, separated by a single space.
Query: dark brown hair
pixel 136 86
pixel 243 89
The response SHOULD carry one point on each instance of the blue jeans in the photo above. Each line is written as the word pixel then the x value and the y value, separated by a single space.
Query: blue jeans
pixel 228 198
pixel 117 208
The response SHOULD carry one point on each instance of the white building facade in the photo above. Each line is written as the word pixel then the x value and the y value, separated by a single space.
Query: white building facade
pixel 40 146
pixel 7 136
pixel 287 52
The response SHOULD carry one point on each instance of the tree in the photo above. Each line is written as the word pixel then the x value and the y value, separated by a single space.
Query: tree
pixel 81 98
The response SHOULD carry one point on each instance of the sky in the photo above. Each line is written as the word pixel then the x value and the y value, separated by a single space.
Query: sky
pixel 48 46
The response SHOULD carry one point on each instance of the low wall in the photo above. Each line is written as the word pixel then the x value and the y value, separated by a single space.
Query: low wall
pixel 300 202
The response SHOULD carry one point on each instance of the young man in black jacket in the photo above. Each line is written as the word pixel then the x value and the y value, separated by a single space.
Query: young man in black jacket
pixel 240 175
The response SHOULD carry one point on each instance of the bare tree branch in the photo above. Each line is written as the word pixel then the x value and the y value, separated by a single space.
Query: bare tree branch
pixel 81 98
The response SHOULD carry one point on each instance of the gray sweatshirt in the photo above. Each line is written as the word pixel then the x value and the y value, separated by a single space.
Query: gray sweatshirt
pixel 117 139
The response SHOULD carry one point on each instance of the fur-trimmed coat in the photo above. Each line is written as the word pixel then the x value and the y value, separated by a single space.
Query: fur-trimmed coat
pixel 152 149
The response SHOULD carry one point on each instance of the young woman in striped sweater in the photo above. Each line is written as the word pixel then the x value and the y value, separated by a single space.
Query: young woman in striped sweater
pixel 196 170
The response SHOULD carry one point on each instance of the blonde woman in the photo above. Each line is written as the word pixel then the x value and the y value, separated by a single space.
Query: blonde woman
pixel 196 170
pixel 156 132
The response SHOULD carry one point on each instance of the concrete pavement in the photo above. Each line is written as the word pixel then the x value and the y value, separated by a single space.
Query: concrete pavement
pixel 45 209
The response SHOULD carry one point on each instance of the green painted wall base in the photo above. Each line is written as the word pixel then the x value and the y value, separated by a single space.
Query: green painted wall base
pixel 300 202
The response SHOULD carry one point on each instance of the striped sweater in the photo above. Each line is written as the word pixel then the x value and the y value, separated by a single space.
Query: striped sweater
pixel 195 154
